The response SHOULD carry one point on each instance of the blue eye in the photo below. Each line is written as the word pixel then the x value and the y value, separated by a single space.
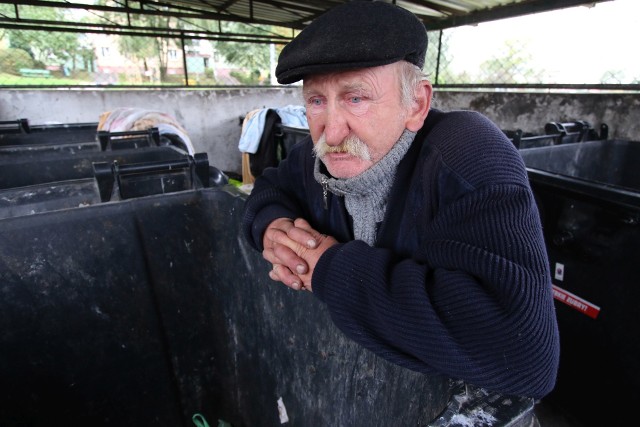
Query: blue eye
pixel 316 101
pixel 356 99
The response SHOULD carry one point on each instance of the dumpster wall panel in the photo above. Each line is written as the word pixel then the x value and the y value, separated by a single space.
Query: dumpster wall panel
pixel 80 334
pixel 147 311
pixel 613 162
pixel 53 134
pixel 46 197
pixel 591 223
pixel 30 168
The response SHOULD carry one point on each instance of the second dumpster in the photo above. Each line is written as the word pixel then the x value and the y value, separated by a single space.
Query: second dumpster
pixel 588 194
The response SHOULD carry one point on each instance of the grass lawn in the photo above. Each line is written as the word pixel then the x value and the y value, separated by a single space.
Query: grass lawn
pixel 12 80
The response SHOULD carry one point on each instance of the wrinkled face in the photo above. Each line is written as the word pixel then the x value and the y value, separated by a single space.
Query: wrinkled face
pixel 355 117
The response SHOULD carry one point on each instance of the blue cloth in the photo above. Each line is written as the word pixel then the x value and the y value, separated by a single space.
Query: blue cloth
pixel 291 115
pixel 458 281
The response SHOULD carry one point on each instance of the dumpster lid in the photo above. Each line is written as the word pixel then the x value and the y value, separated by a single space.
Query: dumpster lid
pixel 602 171
pixel 46 197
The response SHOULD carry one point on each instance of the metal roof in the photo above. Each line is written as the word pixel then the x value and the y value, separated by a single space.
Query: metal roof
pixel 436 14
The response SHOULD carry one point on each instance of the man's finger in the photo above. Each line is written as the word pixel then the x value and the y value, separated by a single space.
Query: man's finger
pixel 276 231
pixel 304 237
pixel 302 223
pixel 281 273
pixel 288 257
pixel 304 233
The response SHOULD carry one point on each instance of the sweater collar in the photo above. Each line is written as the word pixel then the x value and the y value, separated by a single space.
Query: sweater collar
pixel 366 195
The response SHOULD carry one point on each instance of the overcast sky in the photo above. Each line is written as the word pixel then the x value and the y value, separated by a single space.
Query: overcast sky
pixel 576 45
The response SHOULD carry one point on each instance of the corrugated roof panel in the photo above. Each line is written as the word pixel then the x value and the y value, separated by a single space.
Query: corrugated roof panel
pixel 296 14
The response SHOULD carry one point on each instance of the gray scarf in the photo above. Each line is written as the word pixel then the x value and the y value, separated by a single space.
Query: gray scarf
pixel 366 195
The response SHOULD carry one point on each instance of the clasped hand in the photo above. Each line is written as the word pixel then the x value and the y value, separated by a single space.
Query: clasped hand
pixel 293 248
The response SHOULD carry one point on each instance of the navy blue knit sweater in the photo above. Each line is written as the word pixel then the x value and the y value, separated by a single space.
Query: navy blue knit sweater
pixel 458 282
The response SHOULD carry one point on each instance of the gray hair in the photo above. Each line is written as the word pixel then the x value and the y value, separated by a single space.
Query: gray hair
pixel 410 78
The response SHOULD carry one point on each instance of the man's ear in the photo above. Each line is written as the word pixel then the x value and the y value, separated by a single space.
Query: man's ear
pixel 420 108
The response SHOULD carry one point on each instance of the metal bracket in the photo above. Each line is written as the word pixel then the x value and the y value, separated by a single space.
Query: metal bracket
pixel 130 139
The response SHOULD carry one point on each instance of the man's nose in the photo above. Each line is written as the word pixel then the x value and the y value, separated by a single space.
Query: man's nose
pixel 336 128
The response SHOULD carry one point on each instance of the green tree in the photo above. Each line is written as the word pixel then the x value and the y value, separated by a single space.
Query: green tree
pixel 11 60
pixel 145 49
pixel 512 65
pixel 46 47
pixel 438 60
pixel 85 53
pixel 612 77
pixel 142 49
pixel 253 57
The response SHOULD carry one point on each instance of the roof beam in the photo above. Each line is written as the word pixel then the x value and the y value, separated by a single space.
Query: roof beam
pixel 297 14
pixel 173 11
pixel 507 11
pixel 142 32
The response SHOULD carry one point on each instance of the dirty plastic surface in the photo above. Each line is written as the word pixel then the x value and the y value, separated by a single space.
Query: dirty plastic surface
pixel 148 311
pixel 588 195
pixel 611 162
pixel 30 168
pixel 52 134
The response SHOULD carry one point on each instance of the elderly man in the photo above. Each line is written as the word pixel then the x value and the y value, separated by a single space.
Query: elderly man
pixel 417 228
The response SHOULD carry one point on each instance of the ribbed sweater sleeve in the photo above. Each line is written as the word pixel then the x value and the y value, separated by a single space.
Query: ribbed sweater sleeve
pixel 276 194
pixel 465 305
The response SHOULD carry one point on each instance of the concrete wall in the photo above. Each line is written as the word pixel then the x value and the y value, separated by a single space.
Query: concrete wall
pixel 530 111
pixel 212 116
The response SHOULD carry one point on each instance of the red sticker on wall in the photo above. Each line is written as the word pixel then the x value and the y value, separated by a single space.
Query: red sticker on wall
pixel 575 302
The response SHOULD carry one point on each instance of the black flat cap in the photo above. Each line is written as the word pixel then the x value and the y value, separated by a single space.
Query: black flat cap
pixel 357 34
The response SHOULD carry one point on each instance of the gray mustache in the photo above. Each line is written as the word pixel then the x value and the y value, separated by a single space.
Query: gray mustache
pixel 351 145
